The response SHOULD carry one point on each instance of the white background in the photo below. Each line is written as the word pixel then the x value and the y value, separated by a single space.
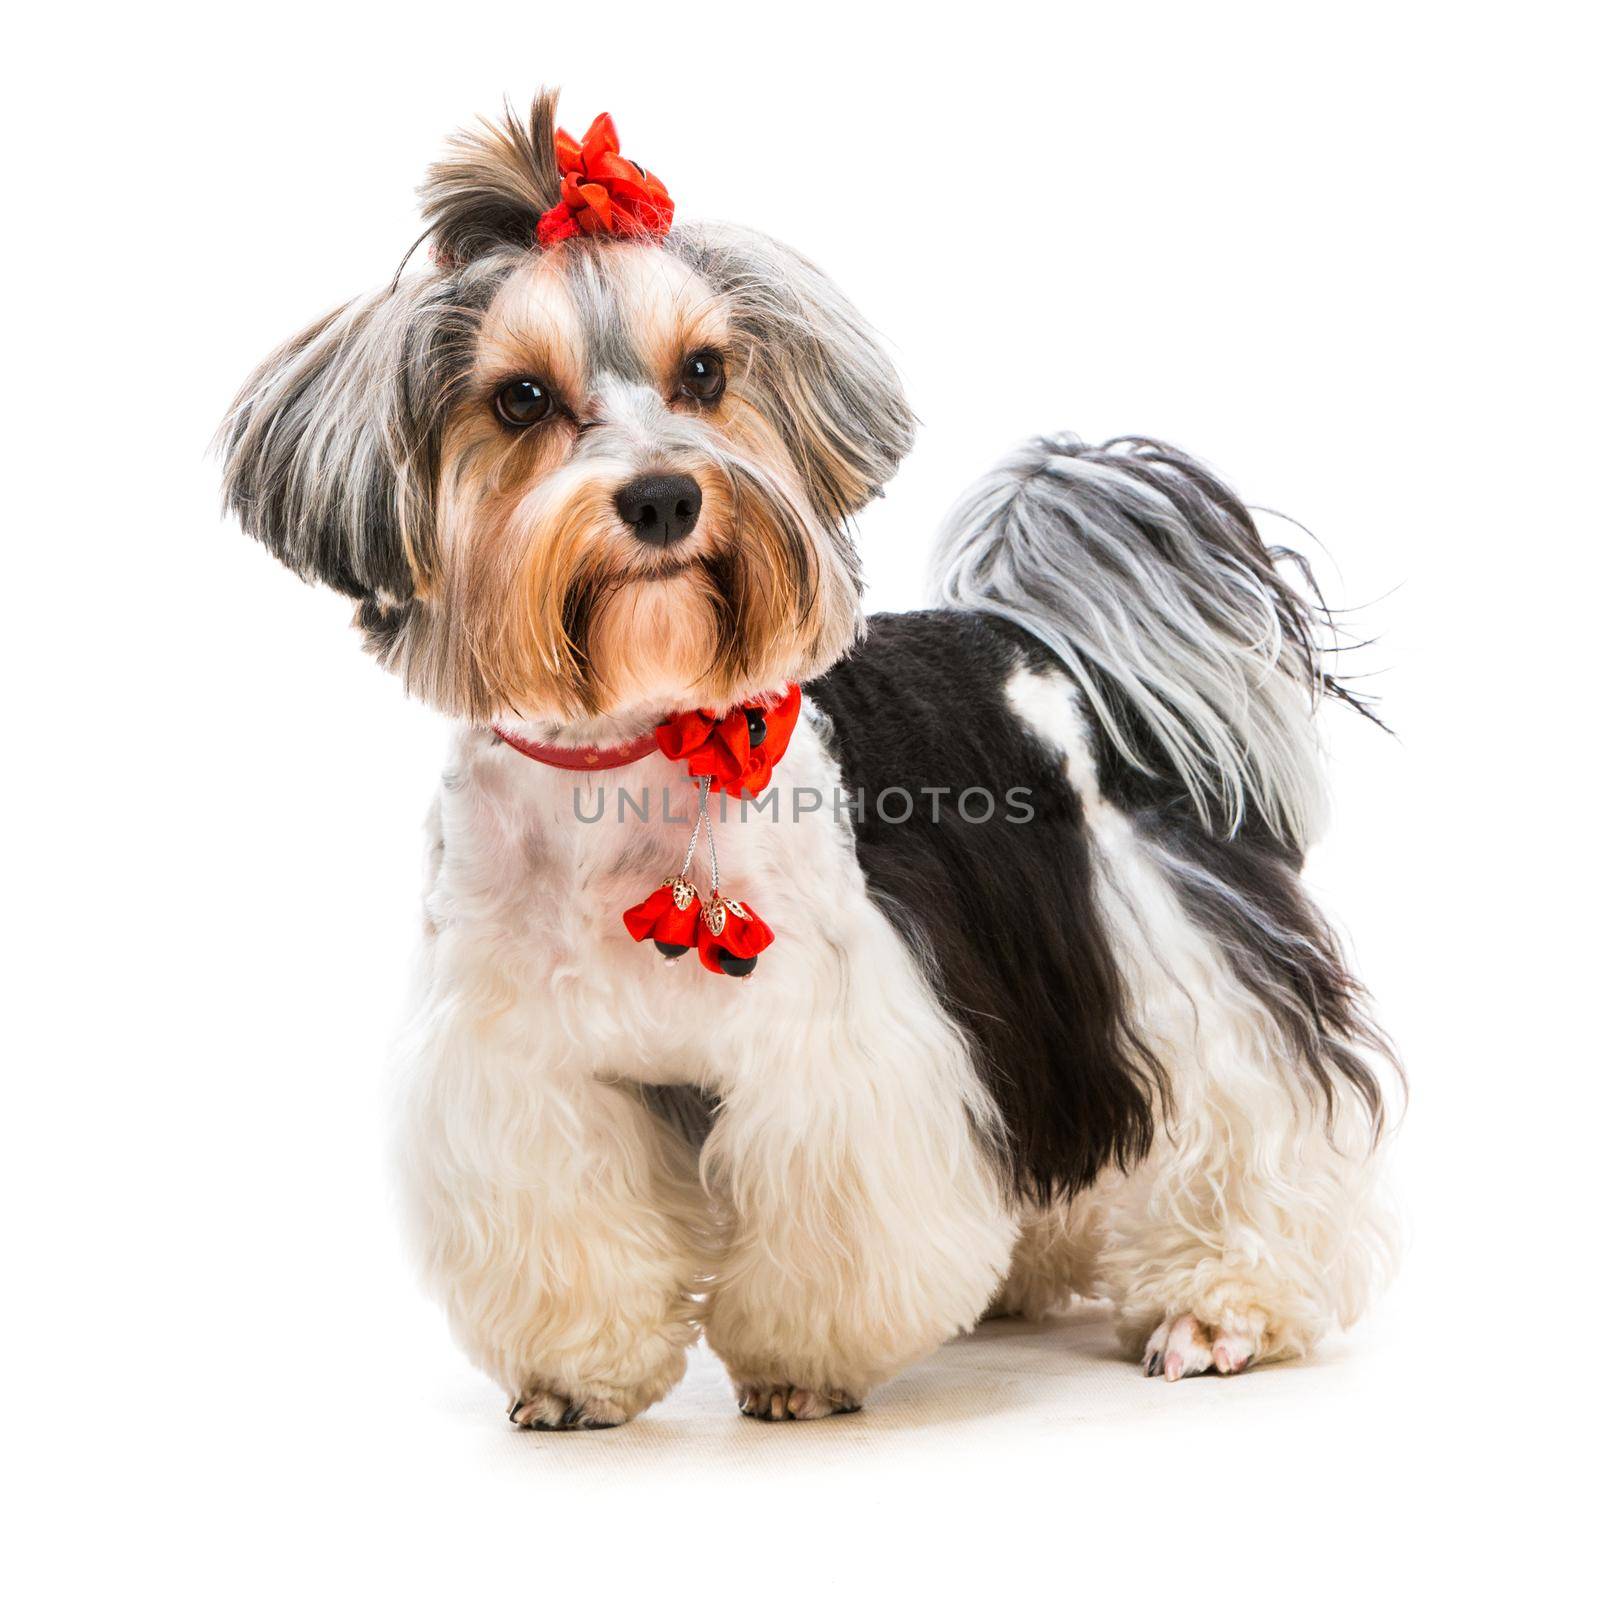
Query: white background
pixel 1339 252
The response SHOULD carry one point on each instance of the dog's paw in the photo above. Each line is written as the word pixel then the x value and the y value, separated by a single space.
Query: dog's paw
pixel 548 1412
pixel 784 1402
pixel 1183 1346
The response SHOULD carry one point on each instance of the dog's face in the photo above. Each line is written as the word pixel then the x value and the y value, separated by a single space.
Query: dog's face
pixel 568 483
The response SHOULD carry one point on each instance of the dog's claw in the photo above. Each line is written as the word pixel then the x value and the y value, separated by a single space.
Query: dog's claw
pixel 783 1402
pixel 541 1411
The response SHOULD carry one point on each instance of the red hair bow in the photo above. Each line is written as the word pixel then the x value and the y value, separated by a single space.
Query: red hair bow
pixel 602 191
pixel 737 752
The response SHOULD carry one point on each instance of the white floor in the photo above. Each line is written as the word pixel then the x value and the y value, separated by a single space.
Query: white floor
pixel 1006 1381
pixel 1022 1457
pixel 357 1454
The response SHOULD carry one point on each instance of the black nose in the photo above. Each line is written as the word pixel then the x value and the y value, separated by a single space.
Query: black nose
pixel 660 509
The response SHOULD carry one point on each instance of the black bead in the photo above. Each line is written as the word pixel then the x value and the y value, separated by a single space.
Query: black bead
pixel 735 966
pixel 671 951
pixel 757 724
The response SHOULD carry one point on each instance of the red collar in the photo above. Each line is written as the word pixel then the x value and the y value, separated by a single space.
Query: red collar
pixel 580 757
pixel 732 754
pixel 737 752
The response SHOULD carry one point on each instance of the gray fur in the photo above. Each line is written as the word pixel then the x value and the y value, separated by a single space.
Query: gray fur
pixel 331 449
pixel 493 185
pixel 609 347
pixel 1149 582
pixel 820 375
pixel 1251 903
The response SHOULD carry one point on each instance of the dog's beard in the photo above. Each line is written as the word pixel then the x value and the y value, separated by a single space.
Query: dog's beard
pixel 557 614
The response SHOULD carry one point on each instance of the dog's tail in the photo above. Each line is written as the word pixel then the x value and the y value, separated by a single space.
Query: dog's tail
pixel 1148 580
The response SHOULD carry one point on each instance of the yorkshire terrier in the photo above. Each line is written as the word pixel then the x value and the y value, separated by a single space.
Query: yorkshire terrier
pixel 1015 993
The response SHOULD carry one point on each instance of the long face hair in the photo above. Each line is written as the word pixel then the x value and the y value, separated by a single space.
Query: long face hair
pixel 449 453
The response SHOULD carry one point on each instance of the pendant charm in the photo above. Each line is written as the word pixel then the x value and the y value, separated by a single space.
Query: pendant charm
pixel 718 912
pixel 730 937
pixel 668 918
pixel 733 754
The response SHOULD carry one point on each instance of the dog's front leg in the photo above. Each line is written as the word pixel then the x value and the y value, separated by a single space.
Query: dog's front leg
pixel 866 1226
pixel 556 1219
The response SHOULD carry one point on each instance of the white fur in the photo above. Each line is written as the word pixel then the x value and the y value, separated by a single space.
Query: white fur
pixel 846 1217
pixel 1249 1217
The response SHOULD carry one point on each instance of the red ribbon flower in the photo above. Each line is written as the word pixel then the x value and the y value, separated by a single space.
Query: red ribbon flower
pixel 730 937
pixel 727 933
pixel 602 191
pixel 670 916
pixel 738 751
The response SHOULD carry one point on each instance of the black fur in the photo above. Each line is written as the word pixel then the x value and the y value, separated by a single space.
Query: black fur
pixel 579 607
pixel 689 1112
pixel 1041 535
pixel 1004 911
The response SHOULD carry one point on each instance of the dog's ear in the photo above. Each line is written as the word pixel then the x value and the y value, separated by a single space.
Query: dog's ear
pixel 331 450
pixel 819 373
pixel 493 184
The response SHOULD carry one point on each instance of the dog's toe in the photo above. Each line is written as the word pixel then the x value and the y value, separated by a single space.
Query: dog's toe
pixel 548 1412
pixel 785 1402
pixel 1183 1346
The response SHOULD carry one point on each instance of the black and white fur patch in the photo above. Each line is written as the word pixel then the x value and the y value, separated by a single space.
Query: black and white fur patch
pixel 1019 954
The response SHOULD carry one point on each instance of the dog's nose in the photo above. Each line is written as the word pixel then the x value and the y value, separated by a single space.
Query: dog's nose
pixel 661 509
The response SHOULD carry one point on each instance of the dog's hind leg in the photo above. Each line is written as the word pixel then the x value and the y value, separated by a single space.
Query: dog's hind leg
pixel 1245 1238
pixel 1259 1221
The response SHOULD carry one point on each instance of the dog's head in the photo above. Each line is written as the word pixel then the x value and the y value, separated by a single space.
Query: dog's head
pixel 610 472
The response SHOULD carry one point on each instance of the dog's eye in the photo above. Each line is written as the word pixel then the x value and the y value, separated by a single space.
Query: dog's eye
pixel 703 377
pixel 522 402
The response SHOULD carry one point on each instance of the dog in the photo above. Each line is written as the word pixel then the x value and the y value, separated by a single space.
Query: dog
pixel 1015 993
